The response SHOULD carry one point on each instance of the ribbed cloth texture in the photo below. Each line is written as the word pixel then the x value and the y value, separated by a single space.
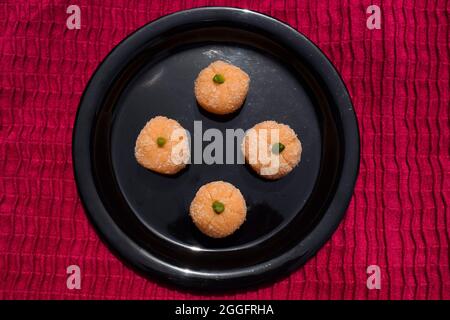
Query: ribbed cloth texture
pixel 398 78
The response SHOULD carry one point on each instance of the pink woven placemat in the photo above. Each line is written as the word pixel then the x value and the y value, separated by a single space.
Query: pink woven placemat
pixel 398 219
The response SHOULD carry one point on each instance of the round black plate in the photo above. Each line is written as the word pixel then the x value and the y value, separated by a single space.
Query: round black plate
pixel 143 216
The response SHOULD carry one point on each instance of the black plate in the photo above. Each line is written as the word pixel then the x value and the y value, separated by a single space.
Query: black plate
pixel 143 216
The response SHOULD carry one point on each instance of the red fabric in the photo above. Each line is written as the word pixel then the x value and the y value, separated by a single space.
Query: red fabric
pixel 398 78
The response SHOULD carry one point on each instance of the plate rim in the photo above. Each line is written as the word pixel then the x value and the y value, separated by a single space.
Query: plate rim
pixel 142 261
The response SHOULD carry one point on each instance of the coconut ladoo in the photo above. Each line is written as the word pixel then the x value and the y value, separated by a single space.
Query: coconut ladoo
pixel 272 149
pixel 218 209
pixel 162 146
pixel 221 88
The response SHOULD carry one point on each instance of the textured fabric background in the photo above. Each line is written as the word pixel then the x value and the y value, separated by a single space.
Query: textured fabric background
pixel 398 78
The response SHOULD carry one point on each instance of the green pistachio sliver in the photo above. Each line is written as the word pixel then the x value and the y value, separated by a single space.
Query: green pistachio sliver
pixel 278 148
pixel 218 207
pixel 161 142
pixel 218 78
